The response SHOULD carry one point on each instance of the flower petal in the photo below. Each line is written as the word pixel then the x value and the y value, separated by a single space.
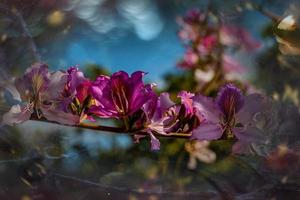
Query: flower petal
pixel 249 134
pixel 155 144
pixel 16 115
pixel 254 103
pixel 207 108
pixel 230 99
pixel 207 131
pixel 56 85
pixel 60 116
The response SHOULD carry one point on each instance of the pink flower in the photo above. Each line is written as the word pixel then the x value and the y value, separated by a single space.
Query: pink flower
pixel 190 59
pixel 193 16
pixel 233 70
pixel 72 99
pixel 120 95
pixel 164 117
pixel 39 90
pixel 207 45
pixel 188 33
pixel 236 36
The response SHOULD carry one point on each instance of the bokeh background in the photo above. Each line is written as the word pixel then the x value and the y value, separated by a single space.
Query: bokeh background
pixel 42 161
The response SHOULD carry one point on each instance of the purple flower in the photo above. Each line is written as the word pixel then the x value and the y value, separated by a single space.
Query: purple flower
pixel 30 87
pixel 74 80
pixel 190 59
pixel 70 98
pixel 194 16
pixel 41 94
pixel 165 117
pixel 230 115
pixel 120 95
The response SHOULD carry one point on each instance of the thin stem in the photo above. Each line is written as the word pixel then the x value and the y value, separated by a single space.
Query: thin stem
pixel 116 129
pixel 275 18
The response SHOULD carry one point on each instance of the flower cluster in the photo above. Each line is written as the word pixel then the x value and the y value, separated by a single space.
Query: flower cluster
pixel 69 98
pixel 210 46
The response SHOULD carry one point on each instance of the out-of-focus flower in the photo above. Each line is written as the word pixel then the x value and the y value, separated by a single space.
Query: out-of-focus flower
pixel 284 160
pixel 291 94
pixel 190 59
pixel 230 115
pixel 207 44
pixel 56 18
pixel 188 33
pixel 233 70
pixel 287 36
pixel 239 37
pixel 190 25
pixel 193 16
pixel 202 76
pixel 288 23
pixel 199 150
pixel 120 95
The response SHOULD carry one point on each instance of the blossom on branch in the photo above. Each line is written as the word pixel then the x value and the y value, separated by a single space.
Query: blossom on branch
pixel 31 87
pixel 230 115
pixel 164 117
pixel 120 95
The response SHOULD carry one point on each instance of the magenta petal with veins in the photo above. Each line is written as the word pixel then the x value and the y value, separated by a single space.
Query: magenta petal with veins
pixel 120 95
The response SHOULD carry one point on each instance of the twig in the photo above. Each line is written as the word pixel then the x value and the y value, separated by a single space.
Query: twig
pixel 117 129
pixel 275 18
pixel 27 34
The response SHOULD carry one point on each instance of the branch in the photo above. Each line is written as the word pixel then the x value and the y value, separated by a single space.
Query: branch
pixel 15 12
pixel 275 18
pixel 116 129
pixel 27 34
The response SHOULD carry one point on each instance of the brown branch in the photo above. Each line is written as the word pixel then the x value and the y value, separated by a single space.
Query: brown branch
pixel 116 129
pixel 275 18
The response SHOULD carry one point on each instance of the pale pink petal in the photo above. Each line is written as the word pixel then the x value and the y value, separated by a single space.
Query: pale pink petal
pixel 165 101
pixel 249 134
pixel 60 116
pixel 231 65
pixel 155 144
pixel 253 104
pixel 58 81
pixel 192 163
pixel 207 131
pixel 206 155
pixel 207 108
pixel 16 115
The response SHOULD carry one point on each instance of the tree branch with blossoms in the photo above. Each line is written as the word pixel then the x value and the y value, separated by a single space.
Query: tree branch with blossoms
pixel 69 98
